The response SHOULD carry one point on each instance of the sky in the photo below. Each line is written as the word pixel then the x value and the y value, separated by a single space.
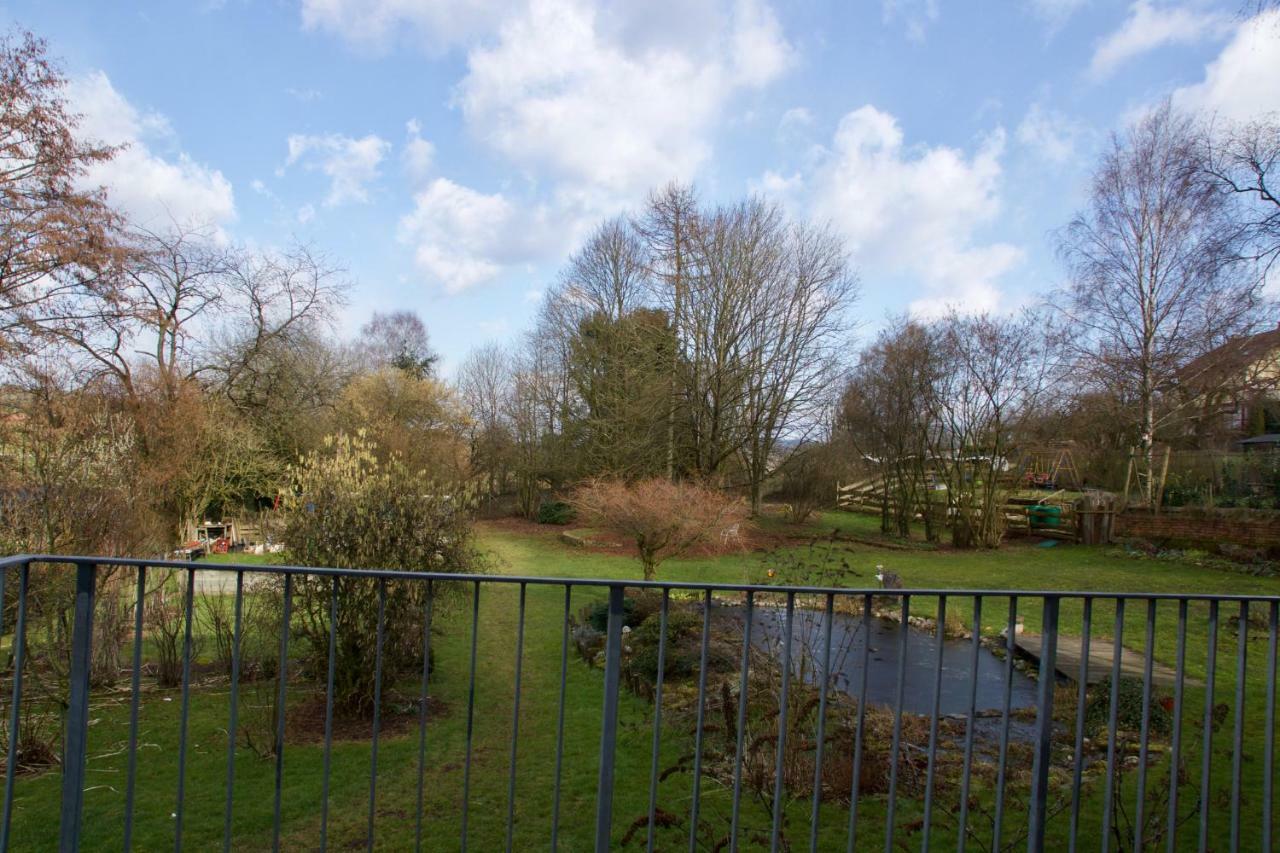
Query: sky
pixel 450 155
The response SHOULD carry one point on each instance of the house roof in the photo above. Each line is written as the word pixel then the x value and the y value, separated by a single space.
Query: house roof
pixel 1267 438
pixel 1235 355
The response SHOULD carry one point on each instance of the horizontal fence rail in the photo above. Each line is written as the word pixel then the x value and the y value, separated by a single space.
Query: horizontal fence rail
pixel 164 703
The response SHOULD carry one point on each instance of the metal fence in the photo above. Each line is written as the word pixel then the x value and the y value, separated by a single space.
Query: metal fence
pixel 1183 758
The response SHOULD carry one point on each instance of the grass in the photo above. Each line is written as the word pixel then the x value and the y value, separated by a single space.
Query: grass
pixel 1064 567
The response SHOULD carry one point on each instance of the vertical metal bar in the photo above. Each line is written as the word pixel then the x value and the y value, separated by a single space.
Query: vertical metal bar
pixel 740 734
pixel 379 643
pixel 828 619
pixel 859 726
pixel 564 671
pixel 233 726
pixel 903 635
pixel 515 722
pixel 940 631
pixel 657 719
pixel 609 718
pixel 422 714
pixel 1175 744
pixel 1011 644
pixel 282 685
pixel 1206 754
pixel 328 715
pixel 77 738
pixel 962 830
pixel 1044 722
pixel 1139 813
pixel 1269 731
pixel 1237 737
pixel 779 784
pixel 1108 804
pixel 1077 752
pixel 697 732
pixel 134 694
pixel 186 708
pixel 15 703
pixel 471 712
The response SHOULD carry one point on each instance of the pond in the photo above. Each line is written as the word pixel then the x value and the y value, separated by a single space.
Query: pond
pixel 849 636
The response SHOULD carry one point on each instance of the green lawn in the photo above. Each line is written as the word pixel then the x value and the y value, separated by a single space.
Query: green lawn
pixel 1017 567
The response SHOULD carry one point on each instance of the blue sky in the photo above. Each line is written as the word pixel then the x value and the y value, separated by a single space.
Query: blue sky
pixel 450 155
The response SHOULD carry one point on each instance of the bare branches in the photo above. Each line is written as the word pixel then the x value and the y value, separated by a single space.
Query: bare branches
pixel 1155 273
pixel 57 241
pixel 398 339
pixel 1244 160
pixel 664 519
pixel 696 337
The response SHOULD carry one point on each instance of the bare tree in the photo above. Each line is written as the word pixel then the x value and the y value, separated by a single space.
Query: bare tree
pixel 57 241
pixel 1153 283
pixel 288 387
pixel 992 375
pixel 1244 160
pixel 667 226
pixel 886 412
pixel 399 340
pixel 485 386
pixel 608 275
pixel 664 519
pixel 738 252
pixel 532 408
pixel 793 345
pixel 272 301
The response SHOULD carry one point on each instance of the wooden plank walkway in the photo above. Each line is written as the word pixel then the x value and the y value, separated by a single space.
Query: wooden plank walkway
pixel 1101 658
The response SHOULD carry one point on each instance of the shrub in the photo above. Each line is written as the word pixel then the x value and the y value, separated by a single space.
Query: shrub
pixel 350 510
pixel 598 615
pixel 683 651
pixel 260 612
pixel 807 481
pixel 664 519
pixel 166 617
pixel 1128 708
pixel 556 512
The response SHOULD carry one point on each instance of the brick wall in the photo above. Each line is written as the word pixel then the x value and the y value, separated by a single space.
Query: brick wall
pixel 1251 528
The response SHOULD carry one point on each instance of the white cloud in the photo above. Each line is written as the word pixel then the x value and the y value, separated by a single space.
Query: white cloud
pixel 418 154
pixel 306 213
pixel 1055 13
pixel 350 164
pixel 1149 27
pixel 151 188
pixel 913 211
pixel 1050 134
pixel 595 103
pixel 916 15
pixel 776 184
pixel 463 237
pixel 798 116
pixel 495 327
pixel 373 24
pixel 306 96
pixel 1243 83
pixel 794 122
pixel 606 106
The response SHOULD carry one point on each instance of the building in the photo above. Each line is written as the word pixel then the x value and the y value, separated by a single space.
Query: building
pixel 1236 390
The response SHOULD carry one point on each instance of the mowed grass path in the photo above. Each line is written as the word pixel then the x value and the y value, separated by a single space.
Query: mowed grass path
pixel 540 554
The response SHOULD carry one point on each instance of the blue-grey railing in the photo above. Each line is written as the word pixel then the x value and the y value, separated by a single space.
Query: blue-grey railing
pixel 72 832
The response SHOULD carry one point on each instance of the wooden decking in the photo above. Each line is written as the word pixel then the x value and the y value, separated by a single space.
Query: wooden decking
pixel 1101 660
